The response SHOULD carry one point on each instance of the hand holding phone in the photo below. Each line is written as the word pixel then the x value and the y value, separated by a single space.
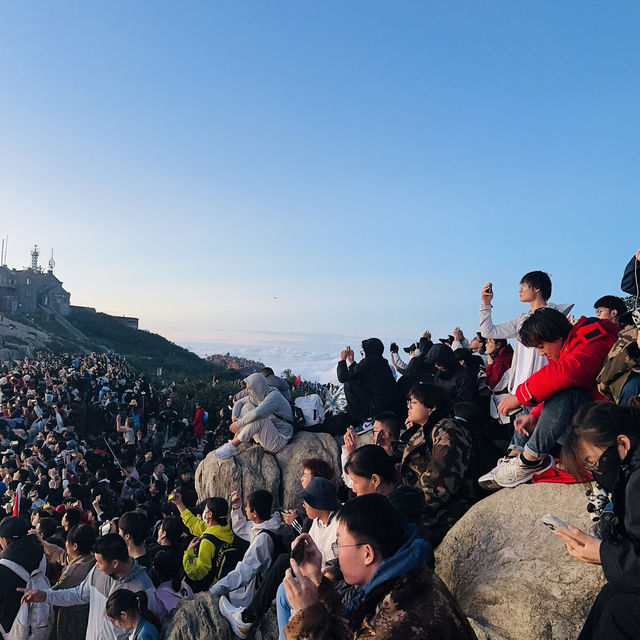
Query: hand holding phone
pixel 555 524
pixel 297 551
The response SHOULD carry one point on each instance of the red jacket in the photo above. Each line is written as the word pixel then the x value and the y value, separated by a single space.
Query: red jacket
pixel 198 423
pixel 501 363
pixel 580 361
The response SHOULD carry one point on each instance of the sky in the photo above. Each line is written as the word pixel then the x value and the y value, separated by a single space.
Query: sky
pixel 226 170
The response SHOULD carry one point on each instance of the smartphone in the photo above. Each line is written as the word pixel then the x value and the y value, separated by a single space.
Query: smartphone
pixel 105 528
pixel 347 348
pixel 297 551
pixel 490 288
pixel 514 412
pixel 555 524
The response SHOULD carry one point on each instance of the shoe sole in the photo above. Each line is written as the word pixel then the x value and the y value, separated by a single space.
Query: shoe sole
pixel 536 472
pixel 489 485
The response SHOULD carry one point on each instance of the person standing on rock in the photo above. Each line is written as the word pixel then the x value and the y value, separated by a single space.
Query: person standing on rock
pixel 264 416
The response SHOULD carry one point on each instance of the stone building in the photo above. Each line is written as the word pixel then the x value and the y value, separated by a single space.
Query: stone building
pixel 24 290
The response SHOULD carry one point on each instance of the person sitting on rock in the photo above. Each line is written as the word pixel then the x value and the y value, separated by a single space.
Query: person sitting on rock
pixel 568 381
pixel 369 385
pixel 212 553
pixel 603 441
pixel 260 528
pixel 275 381
pixel 242 620
pixel 438 459
pixel 400 594
pixel 263 415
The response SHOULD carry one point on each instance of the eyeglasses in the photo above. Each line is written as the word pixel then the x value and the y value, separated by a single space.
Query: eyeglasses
pixel 335 547
pixel 595 466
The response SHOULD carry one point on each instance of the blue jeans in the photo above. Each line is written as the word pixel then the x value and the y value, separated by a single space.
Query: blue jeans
pixel 283 610
pixel 555 420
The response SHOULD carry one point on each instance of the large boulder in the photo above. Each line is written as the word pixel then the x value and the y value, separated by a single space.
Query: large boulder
pixel 199 618
pixel 511 576
pixel 253 468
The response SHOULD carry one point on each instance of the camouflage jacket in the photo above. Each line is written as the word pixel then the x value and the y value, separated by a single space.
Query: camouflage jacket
pixel 414 605
pixel 622 360
pixel 441 463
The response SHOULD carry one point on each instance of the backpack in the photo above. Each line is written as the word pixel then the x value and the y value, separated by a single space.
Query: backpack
pixel 312 409
pixel 34 621
pixel 226 557
pixel 298 421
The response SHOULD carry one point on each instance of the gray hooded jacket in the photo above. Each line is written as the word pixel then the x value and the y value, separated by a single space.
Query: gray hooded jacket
pixel 264 401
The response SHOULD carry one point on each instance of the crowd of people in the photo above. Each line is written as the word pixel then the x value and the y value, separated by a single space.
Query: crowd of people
pixel 105 533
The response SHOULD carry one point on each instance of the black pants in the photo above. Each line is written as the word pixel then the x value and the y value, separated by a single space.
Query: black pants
pixel 615 614
pixel 266 592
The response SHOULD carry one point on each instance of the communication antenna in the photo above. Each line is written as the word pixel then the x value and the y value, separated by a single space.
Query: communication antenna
pixel 52 263
pixel 34 258
pixel 3 251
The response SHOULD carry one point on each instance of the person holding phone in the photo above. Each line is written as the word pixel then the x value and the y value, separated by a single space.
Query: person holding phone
pixel 603 442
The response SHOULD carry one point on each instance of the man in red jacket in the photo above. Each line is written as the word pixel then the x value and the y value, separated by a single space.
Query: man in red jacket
pixel 575 354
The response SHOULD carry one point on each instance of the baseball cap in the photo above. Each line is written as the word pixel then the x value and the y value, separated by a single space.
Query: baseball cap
pixel 14 527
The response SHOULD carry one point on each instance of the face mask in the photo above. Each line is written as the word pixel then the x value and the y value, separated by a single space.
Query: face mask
pixel 608 468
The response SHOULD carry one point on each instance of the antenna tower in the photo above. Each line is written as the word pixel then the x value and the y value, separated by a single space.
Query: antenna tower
pixel 52 263
pixel 34 258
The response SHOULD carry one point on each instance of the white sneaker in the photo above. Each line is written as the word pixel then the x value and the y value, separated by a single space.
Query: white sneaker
pixel 234 616
pixel 516 472
pixel 227 450
pixel 487 481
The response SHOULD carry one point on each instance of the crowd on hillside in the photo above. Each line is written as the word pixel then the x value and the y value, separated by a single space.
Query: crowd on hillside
pixel 105 533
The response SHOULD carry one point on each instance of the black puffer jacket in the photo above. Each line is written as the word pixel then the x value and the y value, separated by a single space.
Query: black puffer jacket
pixel 369 384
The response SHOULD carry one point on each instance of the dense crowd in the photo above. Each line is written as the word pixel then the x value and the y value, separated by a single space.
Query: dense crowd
pixel 105 533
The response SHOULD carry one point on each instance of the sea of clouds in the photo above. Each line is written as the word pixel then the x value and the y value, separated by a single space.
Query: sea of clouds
pixel 312 356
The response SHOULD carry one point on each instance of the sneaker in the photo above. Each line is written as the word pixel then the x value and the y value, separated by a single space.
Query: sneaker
pixel 227 450
pixel 515 472
pixel 487 481
pixel 234 616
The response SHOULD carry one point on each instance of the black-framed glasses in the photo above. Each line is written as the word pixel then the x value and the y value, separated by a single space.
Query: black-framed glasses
pixel 602 460
pixel 335 547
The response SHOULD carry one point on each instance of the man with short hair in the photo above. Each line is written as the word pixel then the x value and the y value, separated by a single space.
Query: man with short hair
pixel 258 528
pixel 556 391
pixel 399 594
pixel 114 570
pixel 535 290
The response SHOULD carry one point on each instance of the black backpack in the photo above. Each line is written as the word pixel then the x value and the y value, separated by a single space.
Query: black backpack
pixel 226 558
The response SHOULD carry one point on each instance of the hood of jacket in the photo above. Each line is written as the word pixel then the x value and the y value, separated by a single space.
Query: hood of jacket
pixel 415 553
pixel 274 523
pixel 223 532
pixel 260 388
pixel 372 347
pixel 443 355
pixel 27 552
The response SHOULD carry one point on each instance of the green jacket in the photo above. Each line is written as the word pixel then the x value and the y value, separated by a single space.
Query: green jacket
pixel 198 565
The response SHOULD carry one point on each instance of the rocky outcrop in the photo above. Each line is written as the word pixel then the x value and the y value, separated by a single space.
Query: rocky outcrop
pixel 253 468
pixel 510 574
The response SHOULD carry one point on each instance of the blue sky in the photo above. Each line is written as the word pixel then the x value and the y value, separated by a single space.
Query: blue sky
pixel 353 168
